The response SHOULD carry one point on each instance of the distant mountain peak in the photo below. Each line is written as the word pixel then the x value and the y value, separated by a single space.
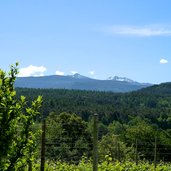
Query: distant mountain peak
pixel 79 76
pixel 117 78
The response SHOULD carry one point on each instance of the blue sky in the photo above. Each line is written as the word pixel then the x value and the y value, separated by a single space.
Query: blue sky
pixel 96 38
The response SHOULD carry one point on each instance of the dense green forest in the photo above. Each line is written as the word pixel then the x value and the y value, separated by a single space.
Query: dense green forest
pixel 122 107
pixel 137 116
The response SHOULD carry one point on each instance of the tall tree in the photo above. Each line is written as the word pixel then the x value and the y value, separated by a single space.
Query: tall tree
pixel 67 137
pixel 17 138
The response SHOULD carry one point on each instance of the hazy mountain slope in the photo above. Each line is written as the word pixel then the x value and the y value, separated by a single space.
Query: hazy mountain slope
pixel 77 82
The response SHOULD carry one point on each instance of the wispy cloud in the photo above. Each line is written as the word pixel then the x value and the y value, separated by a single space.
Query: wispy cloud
pixel 59 73
pixel 143 31
pixel 32 71
pixel 163 61
pixel 92 72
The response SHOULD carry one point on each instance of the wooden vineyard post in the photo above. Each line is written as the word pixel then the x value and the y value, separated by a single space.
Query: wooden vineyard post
pixel 95 143
pixel 155 153
pixel 30 166
pixel 42 167
pixel 136 152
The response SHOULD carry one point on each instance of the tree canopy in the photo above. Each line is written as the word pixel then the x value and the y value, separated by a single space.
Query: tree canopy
pixel 17 138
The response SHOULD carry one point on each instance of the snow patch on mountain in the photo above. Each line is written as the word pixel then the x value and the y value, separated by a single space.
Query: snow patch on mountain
pixel 78 76
pixel 116 78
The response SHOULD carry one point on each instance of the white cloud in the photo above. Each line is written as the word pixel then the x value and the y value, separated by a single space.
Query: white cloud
pixel 74 72
pixel 163 61
pixel 59 73
pixel 144 31
pixel 32 71
pixel 92 72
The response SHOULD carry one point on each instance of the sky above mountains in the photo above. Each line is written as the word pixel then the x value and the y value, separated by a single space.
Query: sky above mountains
pixel 95 38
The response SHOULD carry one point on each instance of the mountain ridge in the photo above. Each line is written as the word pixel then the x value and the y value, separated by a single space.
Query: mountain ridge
pixel 79 82
pixel 158 89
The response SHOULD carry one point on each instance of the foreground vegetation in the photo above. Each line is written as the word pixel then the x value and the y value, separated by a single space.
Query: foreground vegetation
pixel 106 165
pixel 18 138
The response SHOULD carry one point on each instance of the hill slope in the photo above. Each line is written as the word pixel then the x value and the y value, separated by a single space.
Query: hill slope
pixel 161 89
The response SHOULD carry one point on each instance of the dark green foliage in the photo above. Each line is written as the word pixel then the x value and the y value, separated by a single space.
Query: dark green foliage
pixel 67 137
pixel 110 106
pixel 161 89
pixel 112 145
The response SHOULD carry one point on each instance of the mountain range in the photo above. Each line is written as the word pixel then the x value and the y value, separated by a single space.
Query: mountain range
pixel 80 82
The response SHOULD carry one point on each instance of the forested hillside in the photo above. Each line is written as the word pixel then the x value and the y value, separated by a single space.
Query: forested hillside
pixel 110 106
pixel 140 115
pixel 161 89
